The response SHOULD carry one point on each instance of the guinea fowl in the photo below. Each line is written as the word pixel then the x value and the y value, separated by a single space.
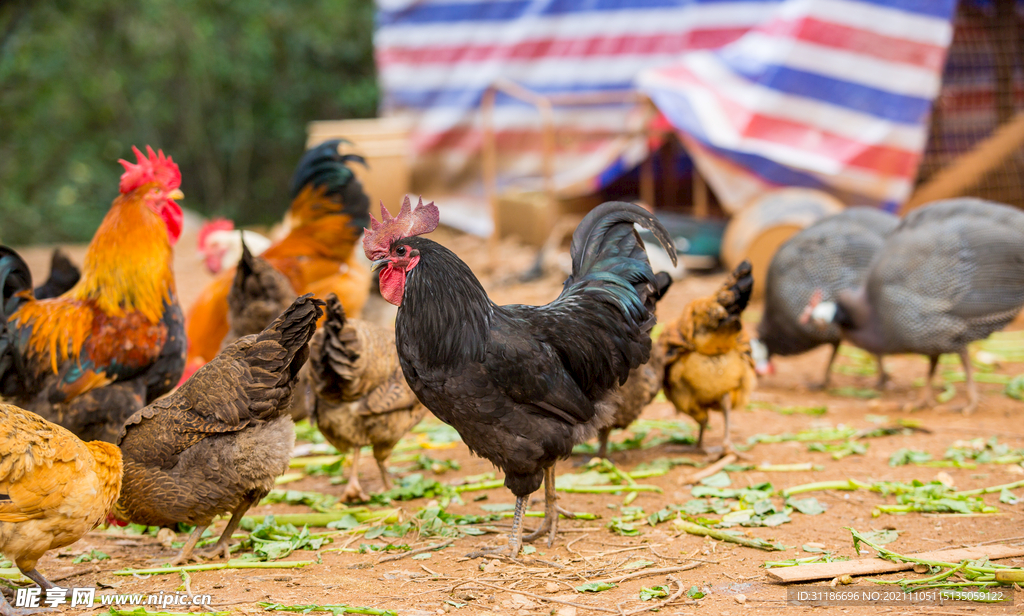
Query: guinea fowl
pixel 217 444
pixel 521 384
pixel 951 273
pixel 641 387
pixel 259 293
pixel 361 396
pixel 831 255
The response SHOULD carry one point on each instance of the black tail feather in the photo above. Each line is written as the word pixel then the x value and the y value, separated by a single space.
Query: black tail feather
pixel 63 275
pixel 324 167
pixel 15 277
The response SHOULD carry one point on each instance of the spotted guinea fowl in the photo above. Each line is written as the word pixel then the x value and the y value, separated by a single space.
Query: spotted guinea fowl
pixel 217 444
pixel 521 384
pixel 831 255
pixel 641 387
pixel 361 397
pixel 951 273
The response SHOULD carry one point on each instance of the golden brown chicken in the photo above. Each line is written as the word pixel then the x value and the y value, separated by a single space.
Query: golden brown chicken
pixel 708 365
pixel 53 489
pixel 217 444
pixel 361 396
pixel 643 384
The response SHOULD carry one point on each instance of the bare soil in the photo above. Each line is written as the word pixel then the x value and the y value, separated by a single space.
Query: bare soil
pixel 447 582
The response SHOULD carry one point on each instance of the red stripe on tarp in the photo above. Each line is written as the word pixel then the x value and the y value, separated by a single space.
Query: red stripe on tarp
pixel 469 138
pixel 883 159
pixel 886 160
pixel 561 48
pixel 864 42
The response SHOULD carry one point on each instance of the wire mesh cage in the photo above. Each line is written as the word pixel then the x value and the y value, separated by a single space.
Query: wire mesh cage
pixel 982 89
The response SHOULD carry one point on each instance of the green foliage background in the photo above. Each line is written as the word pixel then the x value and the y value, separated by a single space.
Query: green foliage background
pixel 226 87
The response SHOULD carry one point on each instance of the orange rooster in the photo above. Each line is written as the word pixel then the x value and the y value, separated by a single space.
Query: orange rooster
pixel 115 341
pixel 53 489
pixel 328 213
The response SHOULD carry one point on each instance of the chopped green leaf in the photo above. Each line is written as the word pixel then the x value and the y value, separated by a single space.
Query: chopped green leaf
pixel 595 587
pixel 657 592
pixel 718 480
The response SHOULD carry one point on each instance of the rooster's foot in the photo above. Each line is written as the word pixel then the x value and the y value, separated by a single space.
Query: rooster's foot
pixel 181 560
pixel 354 493
pixel 219 550
pixel 497 552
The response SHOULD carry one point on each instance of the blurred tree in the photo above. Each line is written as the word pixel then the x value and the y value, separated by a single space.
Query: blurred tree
pixel 224 86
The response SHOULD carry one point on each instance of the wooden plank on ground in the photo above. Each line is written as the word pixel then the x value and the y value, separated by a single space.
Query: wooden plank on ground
pixel 868 566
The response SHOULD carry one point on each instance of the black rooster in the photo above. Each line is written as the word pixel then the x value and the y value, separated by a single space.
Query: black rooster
pixel 521 384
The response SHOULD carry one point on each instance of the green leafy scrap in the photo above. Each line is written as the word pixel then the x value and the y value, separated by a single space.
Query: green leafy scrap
pixel 655 592
pixel 90 556
pixel 272 541
pixel 595 587
pixel 905 456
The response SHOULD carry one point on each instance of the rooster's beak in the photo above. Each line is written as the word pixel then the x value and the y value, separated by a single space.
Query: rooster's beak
pixel 379 263
pixel 176 194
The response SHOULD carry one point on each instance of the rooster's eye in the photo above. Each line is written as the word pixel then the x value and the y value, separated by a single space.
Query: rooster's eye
pixel 400 251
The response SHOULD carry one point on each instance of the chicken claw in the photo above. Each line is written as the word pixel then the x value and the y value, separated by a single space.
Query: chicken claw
pixel 354 492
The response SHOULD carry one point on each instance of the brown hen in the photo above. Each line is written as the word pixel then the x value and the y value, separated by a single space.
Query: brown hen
pixel 53 489
pixel 361 396
pixel 217 444
pixel 259 293
pixel 708 365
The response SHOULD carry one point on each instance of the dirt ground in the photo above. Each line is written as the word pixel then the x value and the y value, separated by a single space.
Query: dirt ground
pixel 731 576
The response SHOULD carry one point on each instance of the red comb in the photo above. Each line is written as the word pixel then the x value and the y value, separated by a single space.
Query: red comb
pixel 409 222
pixel 153 167
pixel 217 224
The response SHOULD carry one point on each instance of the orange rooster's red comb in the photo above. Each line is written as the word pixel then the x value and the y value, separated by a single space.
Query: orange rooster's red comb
pixel 409 222
pixel 153 167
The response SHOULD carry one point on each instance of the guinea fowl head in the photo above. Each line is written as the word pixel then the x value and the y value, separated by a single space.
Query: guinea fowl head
pixel 818 312
pixel 383 244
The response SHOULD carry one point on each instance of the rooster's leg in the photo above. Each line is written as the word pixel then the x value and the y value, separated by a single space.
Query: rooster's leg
pixel 515 538
pixel 602 437
pixel 972 388
pixel 223 545
pixel 726 407
pixel 551 510
pixel 927 399
pixel 883 376
pixel 381 453
pixel 38 578
pixel 700 435
pixel 186 555
pixel 353 491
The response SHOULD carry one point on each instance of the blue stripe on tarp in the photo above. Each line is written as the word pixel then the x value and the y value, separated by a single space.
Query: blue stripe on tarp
pixel 517 9
pixel 885 104
pixel 943 9
pixel 469 98
pixel 425 13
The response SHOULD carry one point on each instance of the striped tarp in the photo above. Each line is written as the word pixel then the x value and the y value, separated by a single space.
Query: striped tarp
pixel 834 94
pixel 812 92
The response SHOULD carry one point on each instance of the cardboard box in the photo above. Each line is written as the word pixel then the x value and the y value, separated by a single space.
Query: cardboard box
pixel 532 215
